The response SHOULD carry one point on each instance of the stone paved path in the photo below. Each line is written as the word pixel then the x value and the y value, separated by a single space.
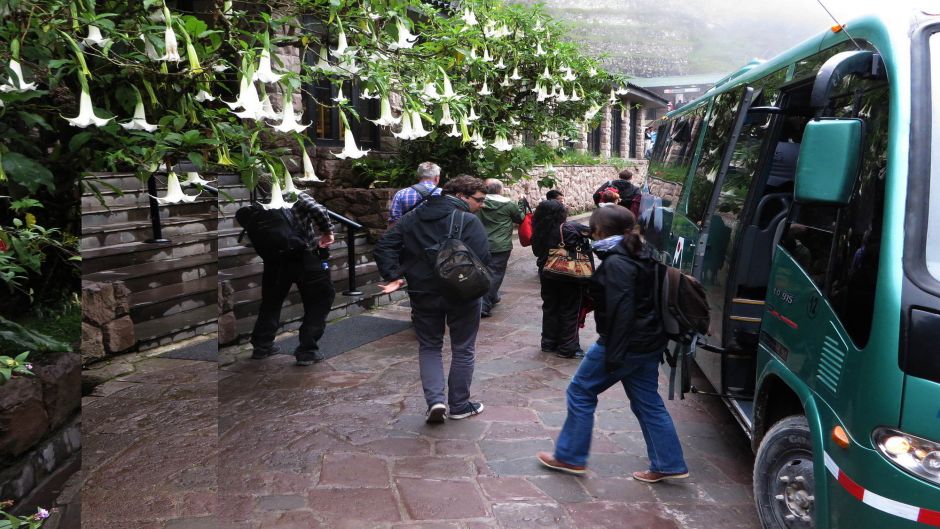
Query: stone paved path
pixel 343 444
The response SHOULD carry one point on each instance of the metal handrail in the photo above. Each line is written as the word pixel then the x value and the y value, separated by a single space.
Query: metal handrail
pixel 351 228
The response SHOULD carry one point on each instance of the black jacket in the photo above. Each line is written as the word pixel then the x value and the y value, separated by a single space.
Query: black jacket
pixel 575 237
pixel 402 251
pixel 625 312
pixel 625 189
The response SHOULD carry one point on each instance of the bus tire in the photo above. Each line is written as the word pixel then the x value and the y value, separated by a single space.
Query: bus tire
pixel 784 488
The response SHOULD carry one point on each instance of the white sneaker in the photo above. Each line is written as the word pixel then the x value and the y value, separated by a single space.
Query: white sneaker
pixel 474 408
pixel 436 413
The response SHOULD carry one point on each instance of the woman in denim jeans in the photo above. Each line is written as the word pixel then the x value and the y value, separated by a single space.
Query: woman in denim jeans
pixel 629 351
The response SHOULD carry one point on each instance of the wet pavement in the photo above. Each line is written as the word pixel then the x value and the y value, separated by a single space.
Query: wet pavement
pixel 343 444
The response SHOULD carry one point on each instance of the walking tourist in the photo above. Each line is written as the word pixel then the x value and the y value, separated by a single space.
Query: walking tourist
pixel 554 194
pixel 629 350
pixel 305 269
pixel 402 254
pixel 561 300
pixel 629 193
pixel 429 175
pixel 498 214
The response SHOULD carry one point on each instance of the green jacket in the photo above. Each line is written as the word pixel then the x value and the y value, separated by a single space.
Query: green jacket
pixel 498 215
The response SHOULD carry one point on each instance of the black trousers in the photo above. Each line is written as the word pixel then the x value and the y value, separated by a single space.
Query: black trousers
pixel 498 263
pixel 316 292
pixel 561 305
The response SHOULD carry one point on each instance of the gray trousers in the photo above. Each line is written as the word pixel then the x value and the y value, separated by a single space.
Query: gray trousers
pixel 430 313
pixel 498 263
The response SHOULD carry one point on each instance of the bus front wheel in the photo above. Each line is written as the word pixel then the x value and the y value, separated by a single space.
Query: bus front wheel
pixel 784 488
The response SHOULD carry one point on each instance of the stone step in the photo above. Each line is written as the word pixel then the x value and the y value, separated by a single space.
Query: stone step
pixel 155 274
pixel 99 216
pixel 230 248
pixel 199 321
pixel 115 183
pixel 167 300
pixel 125 232
pixel 134 253
pixel 291 315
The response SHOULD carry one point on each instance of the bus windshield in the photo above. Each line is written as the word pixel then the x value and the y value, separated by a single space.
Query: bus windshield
pixel 933 214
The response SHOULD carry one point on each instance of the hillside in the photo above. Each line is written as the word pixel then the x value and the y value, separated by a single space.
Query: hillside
pixel 652 38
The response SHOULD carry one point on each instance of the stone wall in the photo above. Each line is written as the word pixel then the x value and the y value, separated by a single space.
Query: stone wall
pixel 107 328
pixel 39 429
pixel 576 182
pixel 368 207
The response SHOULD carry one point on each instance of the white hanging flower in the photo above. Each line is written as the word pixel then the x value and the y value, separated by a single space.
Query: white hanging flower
pixel 473 52
pixel 288 117
pixel 538 25
pixel 592 112
pixel 139 121
pixel 417 126
pixel 323 64
pixel 453 131
pixel 574 95
pixel 500 65
pixel 446 118
pixel 277 197
pixel 349 147
pixel 569 76
pixel 405 38
pixel 193 178
pixel 560 96
pixel 622 91
pixel 264 72
pixel 368 95
pixel 469 18
pixel 289 188
pixel 519 34
pixel 219 67
pixel 94 37
pixel 341 45
pixel 501 143
pixel 541 93
pixel 448 88
pixel 473 115
pixel 86 113
pixel 267 109
pixel 489 30
pixel 309 174
pixel 613 96
pixel 349 67
pixel 202 96
pixel 386 118
pixel 549 168
pixel 430 92
pixel 340 98
pixel 486 55
pixel 249 102
pixel 546 74
pixel 515 74
pixel 477 140
pixel 172 47
pixel 243 89
pixel 406 132
pixel 485 91
pixel 16 83
pixel 538 49
pixel 505 82
pixel 149 50
pixel 592 72
pixel 174 193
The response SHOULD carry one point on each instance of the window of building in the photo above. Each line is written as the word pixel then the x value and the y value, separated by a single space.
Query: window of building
pixel 594 140
pixel 616 132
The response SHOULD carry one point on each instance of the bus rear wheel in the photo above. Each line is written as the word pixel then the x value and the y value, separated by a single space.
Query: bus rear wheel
pixel 784 488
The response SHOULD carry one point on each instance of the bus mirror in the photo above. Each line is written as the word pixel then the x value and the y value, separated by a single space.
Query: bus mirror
pixel 828 161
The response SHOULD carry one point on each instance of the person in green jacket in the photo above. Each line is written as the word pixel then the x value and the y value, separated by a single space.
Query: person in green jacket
pixel 498 214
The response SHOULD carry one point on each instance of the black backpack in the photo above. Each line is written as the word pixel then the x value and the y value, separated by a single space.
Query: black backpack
pixel 271 231
pixel 460 274
pixel 682 303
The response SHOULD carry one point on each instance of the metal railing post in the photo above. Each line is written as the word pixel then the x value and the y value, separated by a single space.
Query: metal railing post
pixel 155 214
pixel 351 261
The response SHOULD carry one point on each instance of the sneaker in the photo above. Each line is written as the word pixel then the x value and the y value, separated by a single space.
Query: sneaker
pixel 261 354
pixel 474 408
pixel 547 459
pixel 547 349
pixel 485 314
pixel 436 413
pixel 308 359
pixel 649 476
pixel 576 354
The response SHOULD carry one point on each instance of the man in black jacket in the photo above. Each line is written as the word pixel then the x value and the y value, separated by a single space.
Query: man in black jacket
pixel 624 187
pixel 402 253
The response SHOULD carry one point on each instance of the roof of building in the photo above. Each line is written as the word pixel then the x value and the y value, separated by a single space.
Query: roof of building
pixel 644 95
pixel 678 80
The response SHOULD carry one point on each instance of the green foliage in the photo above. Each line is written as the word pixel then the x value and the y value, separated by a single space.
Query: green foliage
pixel 14 365
pixel 33 521
pixel 25 338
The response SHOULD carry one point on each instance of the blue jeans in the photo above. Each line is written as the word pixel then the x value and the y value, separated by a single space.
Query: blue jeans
pixel 640 380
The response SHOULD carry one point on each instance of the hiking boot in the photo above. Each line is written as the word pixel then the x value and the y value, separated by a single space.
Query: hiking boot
pixel 308 359
pixel 261 354
pixel 436 413
pixel 473 408
pixel 649 476
pixel 548 459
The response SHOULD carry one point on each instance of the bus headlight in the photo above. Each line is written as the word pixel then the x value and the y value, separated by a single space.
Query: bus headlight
pixel 914 454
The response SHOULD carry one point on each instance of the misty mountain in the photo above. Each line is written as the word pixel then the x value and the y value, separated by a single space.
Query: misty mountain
pixel 653 38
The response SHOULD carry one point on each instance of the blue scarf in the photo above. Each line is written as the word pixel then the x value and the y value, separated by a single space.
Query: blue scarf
pixel 604 245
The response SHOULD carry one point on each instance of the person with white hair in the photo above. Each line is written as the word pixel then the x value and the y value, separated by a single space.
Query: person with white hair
pixel 405 200
pixel 499 214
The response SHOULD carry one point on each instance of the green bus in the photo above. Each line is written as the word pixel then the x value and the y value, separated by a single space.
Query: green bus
pixel 810 212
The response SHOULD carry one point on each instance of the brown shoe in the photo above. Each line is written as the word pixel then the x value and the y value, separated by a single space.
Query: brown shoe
pixel 654 477
pixel 548 459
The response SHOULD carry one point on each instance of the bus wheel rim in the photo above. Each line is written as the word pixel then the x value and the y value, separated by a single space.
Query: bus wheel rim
pixel 794 489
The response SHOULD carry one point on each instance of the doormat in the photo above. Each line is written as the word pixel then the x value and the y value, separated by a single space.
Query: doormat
pixel 348 334
pixel 205 351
